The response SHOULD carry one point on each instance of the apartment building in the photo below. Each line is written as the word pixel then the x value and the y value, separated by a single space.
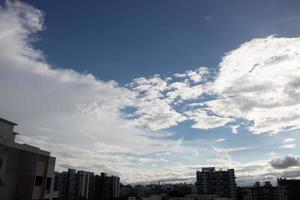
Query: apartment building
pixel 212 182
pixel 26 172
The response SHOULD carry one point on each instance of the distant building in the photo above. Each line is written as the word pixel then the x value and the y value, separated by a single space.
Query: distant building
pixel 140 191
pixel 74 185
pixel 212 182
pixel 107 187
pixel 126 191
pixel 292 187
pixel 265 192
pixel 26 172
pixel 200 197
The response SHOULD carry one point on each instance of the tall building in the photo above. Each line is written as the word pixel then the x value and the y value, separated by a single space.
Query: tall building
pixel 265 192
pixel 107 187
pixel 65 183
pixel 212 182
pixel 74 185
pixel 292 187
pixel 26 172
pixel 85 185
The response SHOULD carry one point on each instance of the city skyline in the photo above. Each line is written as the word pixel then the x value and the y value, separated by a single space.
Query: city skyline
pixel 145 90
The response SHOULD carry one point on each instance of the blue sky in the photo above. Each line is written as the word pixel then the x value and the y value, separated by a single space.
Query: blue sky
pixel 155 37
pixel 148 89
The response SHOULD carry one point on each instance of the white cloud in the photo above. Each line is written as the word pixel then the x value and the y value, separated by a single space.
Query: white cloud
pixel 288 143
pixel 153 109
pixel 230 150
pixel 71 113
pixel 247 88
pixel 198 75
pixel 234 129
pixel 288 146
pixel 204 121
pixel 244 88
pixel 288 140
pixel 220 140
pixel 75 116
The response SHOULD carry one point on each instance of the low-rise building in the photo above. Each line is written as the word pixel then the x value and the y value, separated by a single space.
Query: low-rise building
pixel 265 192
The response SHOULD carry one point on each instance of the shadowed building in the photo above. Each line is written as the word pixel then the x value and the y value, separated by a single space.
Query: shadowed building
pixel 74 185
pixel 265 192
pixel 107 187
pixel 292 187
pixel 212 182
pixel 26 172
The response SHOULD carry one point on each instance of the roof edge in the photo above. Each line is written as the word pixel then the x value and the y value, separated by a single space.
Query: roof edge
pixel 7 121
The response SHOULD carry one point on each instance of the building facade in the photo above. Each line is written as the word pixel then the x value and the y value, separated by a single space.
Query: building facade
pixel 212 182
pixel 292 187
pixel 265 192
pixel 74 185
pixel 26 172
pixel 107 187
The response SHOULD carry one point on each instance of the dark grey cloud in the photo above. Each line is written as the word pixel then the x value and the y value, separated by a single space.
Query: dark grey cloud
pixel 285 162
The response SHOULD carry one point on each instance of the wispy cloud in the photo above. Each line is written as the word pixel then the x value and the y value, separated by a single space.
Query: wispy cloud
pixel 288 146
pixel 220 140
pixel 288 143
pixel 288 140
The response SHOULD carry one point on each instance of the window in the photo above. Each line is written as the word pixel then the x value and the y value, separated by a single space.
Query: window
pixel 38 180
pixel 48 185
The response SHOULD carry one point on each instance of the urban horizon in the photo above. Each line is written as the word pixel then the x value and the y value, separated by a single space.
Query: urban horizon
pixel 149 90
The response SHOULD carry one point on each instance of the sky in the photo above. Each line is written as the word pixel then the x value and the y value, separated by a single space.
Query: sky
pixel 155 90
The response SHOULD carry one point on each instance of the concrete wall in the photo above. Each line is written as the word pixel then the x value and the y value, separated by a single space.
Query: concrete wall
pixel 9 172
pixel 7 136
pixel 20 164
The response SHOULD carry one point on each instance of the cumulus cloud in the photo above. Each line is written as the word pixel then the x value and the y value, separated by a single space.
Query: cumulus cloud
pixel 247 87
pixel 285 162
pixel 153 109
pixel 244 88
pixel 204 121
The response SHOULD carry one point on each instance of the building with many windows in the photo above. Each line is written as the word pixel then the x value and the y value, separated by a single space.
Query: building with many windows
pixel 212 182
pixel 74 185
pixel 26 172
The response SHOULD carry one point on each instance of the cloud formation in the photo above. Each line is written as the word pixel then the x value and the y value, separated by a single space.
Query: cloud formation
pixel 285 162
pixel 66 112
pixel 85 121
pixel 243 89
pixel 247 88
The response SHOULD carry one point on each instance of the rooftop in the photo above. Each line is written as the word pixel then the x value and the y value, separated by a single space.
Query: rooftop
pixel 7 121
